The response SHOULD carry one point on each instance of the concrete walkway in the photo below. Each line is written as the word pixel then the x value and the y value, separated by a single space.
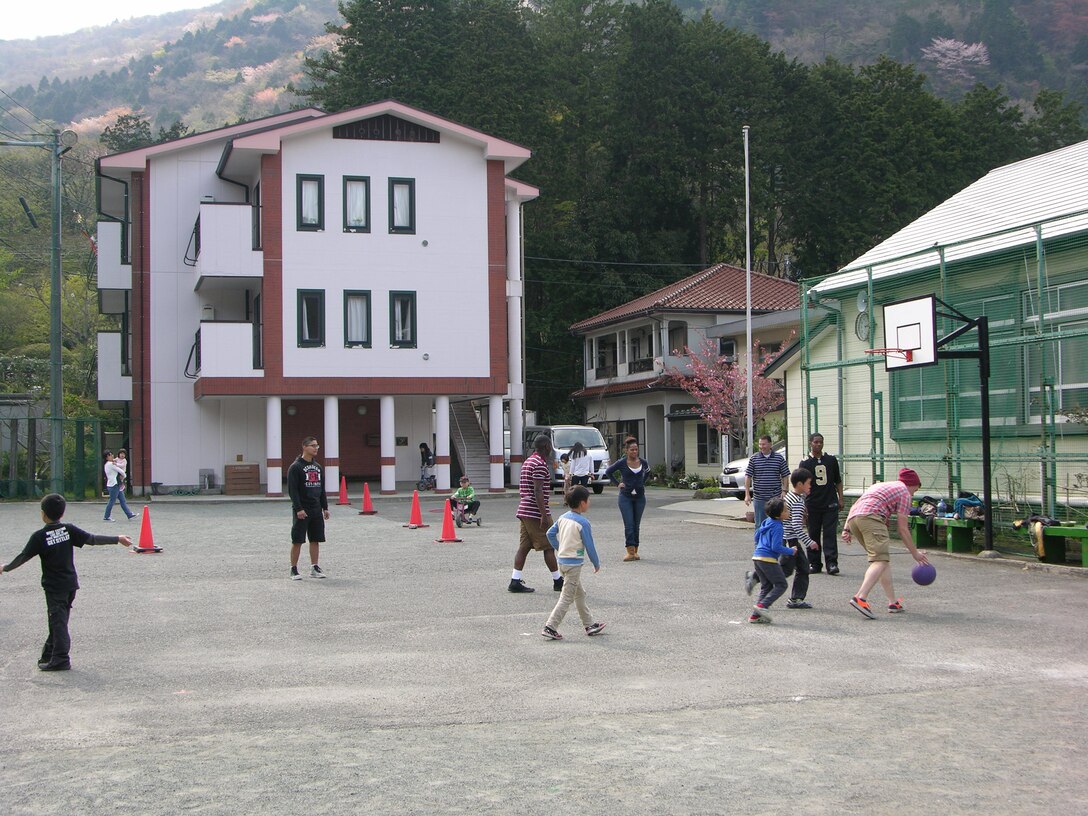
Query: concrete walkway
pixel 411 682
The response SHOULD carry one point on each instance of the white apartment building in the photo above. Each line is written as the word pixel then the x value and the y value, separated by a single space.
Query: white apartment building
pixel 352 276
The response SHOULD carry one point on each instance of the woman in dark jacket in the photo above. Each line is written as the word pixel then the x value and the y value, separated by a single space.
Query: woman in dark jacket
pixel 633 471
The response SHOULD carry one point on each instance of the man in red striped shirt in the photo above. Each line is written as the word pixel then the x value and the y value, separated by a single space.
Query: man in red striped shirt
pixel 534 516
pixel 868 522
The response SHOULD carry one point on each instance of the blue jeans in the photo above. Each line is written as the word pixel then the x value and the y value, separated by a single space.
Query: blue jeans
pixel 757 506
pixel 117 494
pixel 631 508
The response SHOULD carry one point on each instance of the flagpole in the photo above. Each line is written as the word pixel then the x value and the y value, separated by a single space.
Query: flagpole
pixel 750 432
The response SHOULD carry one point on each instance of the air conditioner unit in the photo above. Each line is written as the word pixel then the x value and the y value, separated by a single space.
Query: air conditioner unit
pixel 207 313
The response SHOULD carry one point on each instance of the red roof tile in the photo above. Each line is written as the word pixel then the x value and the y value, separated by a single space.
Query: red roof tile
pixel 721 288
pixel 659 383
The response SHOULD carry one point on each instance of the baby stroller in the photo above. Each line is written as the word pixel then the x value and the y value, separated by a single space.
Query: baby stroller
pixel 461 516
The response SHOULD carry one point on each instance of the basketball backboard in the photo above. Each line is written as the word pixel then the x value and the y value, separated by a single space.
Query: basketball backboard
pixel 911 325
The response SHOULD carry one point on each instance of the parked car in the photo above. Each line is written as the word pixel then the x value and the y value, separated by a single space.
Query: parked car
pixel 732 478
pixel 563 438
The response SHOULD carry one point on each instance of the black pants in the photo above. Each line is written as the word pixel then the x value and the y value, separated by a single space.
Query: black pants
pixel 823 528
pixel 797 566
pixel 58 606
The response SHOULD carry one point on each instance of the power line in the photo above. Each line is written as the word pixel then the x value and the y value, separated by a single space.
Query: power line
pixel 24 107
pixel 608 263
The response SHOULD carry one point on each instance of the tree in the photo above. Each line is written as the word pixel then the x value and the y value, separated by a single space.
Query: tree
pixel 720 388
pixel 129 132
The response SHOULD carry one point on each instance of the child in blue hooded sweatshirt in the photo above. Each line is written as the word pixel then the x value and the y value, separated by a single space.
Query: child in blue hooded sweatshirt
pixel 769 548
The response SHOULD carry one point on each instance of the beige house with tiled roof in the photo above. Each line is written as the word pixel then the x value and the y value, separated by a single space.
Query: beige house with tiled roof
pixel 630 350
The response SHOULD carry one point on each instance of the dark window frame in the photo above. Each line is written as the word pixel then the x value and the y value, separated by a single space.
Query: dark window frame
pixel 411 228
pixel 393 341
pixel 367 342
pixel 347 180
pixel 302 295
pixel 300 180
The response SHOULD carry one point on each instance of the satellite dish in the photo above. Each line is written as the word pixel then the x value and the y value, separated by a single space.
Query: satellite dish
pixel 863 301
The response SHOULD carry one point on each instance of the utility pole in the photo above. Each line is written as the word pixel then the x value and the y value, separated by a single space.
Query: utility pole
pixel 58 144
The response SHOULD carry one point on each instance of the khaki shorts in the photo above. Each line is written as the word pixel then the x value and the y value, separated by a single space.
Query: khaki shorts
pixel 534 534
pixel 872 532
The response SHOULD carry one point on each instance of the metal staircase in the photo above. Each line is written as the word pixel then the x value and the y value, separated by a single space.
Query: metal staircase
pixel 468 439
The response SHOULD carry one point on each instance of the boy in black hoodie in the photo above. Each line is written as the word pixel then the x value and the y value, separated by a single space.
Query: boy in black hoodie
pixel 54 544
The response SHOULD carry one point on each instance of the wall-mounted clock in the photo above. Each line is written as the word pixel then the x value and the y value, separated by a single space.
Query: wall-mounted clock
pixel 861 326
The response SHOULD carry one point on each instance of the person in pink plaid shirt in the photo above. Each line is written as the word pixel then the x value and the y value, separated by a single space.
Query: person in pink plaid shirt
pixel 868 522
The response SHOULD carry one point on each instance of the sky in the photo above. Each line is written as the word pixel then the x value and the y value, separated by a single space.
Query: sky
pixel 24 20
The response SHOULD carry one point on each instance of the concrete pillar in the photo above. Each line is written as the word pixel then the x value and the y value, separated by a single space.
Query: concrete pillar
pixel 442 444
pixel 517 439
pixel 494 425
pixel 515 341
pixel 273 447
pixel 330 446
pixel 389 446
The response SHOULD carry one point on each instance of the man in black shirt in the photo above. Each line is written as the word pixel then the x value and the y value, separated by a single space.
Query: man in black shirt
pixel 306 487
pixel 54 544
pixel 823 505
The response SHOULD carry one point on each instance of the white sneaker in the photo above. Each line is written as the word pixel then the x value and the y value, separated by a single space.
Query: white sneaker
pixel 316 572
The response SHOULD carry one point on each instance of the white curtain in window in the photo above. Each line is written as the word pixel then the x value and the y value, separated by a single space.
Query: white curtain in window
pixel 356 203
pixel 311 318
pixel 402 205
pixel 357 328
pixel 402 319
pixel 309 202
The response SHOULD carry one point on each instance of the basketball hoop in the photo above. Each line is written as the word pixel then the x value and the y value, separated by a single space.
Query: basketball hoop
pixel 906 355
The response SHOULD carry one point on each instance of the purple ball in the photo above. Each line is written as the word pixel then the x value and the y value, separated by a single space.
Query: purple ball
pixel 924 574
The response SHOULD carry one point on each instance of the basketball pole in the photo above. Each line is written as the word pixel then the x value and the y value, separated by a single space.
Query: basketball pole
pixel 982 324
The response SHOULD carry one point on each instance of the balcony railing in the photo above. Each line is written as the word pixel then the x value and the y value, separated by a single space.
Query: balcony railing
pixel 225 349
pixel 113 385
pixel 222 244
pixel 114 267
pixel 637 366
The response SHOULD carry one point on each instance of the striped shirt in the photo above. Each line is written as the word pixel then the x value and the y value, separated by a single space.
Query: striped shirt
pixel 767 473
pixel 533 469
pixel 794 528
pixel 882 499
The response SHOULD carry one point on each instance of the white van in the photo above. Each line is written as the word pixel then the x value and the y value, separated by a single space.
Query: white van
pixel 563 438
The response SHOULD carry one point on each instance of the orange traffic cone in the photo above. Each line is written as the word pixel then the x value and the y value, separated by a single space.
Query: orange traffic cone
pixel 368 507
pixel 448 535
pixel 416 518
pixel 147 538
pixel 343 491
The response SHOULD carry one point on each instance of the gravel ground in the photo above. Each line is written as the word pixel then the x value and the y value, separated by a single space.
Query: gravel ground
pixel 204 681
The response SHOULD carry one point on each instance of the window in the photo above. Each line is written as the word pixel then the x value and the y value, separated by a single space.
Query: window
pixel 311 318
pixel 727 347
pixel 607 352
pixel 310 202
pixel 402 206
pixel 708 444
pixel 258 332
pixel 357 319
pixel 1063 362
pixel 402 319
pixel 356 204
pixel 257 216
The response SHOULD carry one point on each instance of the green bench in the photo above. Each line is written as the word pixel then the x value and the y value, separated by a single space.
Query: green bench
pixel 1055 539
pixel 959 534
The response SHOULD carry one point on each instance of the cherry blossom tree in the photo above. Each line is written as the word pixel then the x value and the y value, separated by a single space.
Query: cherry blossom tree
pixel 956 59
pixel 720 388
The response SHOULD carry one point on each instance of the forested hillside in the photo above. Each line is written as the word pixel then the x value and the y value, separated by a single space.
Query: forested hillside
pixel 634 113
pixel 236 59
